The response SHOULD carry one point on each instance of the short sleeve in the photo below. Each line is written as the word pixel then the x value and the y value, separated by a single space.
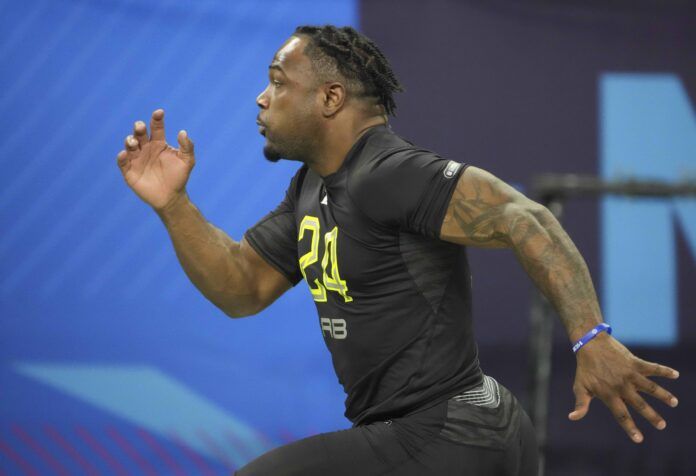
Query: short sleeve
pixel 274 237
pixel 410 189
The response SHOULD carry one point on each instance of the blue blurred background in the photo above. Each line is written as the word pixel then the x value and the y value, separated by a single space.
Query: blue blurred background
pixel 112 363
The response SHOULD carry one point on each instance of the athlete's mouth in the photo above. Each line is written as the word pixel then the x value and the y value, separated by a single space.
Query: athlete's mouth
pixel 262 127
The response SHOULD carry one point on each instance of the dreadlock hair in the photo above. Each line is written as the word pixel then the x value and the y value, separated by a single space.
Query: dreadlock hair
pixel 356 58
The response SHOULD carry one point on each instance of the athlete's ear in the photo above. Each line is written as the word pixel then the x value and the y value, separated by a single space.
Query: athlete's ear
pixel 333 98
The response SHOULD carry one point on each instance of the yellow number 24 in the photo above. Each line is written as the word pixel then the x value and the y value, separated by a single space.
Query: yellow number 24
pixel 330 277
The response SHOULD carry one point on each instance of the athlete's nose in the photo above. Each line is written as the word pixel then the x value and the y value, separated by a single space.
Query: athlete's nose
pixel 262 99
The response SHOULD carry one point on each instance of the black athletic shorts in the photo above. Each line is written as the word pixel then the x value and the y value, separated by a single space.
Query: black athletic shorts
pixel 457 437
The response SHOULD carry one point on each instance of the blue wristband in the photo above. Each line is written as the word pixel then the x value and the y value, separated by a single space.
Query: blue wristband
pixel 591 335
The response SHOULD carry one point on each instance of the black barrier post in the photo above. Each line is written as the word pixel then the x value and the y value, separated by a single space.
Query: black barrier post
pixel 541 348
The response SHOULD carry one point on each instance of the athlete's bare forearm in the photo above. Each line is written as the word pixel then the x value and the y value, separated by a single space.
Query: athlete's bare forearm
pixel 210 258
pixel 555 265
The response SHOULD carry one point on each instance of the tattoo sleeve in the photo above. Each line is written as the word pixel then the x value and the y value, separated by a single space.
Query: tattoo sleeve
pixel 484 211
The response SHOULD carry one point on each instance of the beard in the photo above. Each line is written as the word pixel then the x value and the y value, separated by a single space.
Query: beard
pixel 297 148
pixel 271 153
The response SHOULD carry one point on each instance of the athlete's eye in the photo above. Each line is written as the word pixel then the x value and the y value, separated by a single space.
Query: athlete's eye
pixel 275 83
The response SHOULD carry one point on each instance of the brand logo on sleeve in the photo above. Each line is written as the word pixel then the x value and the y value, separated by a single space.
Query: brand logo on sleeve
pixel 451 169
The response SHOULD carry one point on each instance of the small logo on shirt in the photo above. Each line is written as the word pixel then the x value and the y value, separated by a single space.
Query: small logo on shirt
pixel 324 200
pixel 451 169
pixel 334 328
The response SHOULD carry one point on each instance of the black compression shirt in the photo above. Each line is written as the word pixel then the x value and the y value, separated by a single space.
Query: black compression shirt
pixel 394 301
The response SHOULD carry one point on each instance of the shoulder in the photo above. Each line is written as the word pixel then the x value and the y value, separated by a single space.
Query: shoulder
pixel 381 153
pixel 390 177
pixel 388 161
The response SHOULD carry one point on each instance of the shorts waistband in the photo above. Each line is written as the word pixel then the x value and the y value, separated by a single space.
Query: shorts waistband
pixel 485 395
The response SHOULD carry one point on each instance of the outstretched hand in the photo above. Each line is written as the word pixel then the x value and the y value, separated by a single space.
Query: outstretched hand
pixel 156 172
pixel 608 370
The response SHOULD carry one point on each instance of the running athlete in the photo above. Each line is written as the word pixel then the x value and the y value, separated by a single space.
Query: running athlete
pixel 377 227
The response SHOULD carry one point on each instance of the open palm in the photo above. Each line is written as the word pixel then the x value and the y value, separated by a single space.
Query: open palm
pixel 155 171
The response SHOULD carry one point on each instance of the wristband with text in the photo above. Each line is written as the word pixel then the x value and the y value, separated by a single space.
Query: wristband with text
pixel 591 335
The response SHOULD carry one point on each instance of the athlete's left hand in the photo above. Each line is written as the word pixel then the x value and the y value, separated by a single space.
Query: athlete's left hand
pixel 608 370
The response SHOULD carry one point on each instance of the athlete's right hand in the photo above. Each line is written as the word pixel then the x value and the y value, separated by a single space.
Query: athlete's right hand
pixel 156 172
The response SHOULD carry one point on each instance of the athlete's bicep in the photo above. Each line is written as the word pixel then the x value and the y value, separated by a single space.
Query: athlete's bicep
pixel 267 282
pixel 269 250
pixel 484 210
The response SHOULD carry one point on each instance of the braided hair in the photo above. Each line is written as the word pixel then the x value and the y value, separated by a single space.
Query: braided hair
pixel 356 58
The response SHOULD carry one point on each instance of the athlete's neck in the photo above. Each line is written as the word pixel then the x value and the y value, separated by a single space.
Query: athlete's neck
pixel 338 141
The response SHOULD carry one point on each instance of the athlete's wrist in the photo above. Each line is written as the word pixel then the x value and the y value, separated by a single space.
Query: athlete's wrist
pixel 588 343
pixel 588 324
pixel 173 207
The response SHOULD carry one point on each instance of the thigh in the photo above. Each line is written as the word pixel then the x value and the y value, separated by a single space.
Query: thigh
pixel 450 439
pixel 347 452
pixel 529 450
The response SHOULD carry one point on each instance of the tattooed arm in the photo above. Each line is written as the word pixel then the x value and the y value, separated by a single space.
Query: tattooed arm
pixel 486 212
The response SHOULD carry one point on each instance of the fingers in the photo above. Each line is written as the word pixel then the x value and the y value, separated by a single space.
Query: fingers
pixel 646 385
pixel 637 402
pixel 131 144
pixel 582 403
pixel 651 369
pixel 122 160
pixel 140 133
pixel 623 417
pixel 185 146
pixel 157 125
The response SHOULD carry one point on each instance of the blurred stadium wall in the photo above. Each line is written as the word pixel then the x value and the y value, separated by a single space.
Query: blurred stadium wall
pixel 112 363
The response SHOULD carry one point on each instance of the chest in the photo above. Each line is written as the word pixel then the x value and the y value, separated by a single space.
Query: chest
pixel 342 254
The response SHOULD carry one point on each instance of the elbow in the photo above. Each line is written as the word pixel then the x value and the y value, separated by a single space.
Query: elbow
pixel 542 215
pixel 237 300
pixel 528 212
pixel 239 311
pixel 528 219
pixel 237 308
pixel 234 313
